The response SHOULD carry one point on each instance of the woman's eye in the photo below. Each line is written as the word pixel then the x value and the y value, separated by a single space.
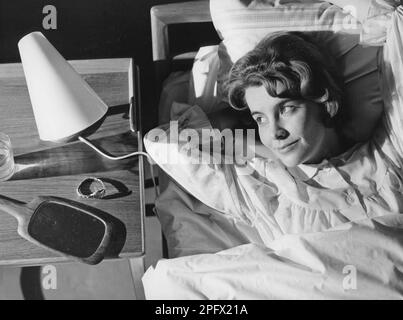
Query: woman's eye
pixel 259 119
pixel 287 109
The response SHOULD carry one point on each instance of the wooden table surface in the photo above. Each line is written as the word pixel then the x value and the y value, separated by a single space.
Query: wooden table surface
pixel 54 169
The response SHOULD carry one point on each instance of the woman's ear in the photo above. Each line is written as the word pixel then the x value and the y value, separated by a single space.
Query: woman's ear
pixel 329 112
pixel 332 107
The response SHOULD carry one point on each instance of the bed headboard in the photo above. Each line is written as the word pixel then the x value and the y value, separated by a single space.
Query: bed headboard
pixel 175 13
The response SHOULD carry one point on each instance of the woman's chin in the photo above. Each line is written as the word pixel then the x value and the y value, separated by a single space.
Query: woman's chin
pixel 293 155
pixel 291 160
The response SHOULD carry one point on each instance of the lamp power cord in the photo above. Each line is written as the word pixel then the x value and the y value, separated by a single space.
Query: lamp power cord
pixel 117 158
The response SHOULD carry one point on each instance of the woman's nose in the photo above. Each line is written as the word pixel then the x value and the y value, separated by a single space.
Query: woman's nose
pixel 279 133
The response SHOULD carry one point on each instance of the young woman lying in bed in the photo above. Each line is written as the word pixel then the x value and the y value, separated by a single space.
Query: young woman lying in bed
pixel 290 87
pixel 309 175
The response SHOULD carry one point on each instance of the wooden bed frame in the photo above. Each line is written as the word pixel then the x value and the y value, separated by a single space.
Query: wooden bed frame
pixel 175 13
pixel 163 16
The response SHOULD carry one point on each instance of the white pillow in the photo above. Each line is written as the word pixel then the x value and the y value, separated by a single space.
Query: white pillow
pixel 203 79
pixel 243 23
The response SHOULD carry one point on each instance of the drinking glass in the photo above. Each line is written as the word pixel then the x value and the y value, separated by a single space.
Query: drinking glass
pixel 6 157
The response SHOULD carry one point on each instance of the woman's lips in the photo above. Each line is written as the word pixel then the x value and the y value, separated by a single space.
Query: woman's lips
pixel 288 147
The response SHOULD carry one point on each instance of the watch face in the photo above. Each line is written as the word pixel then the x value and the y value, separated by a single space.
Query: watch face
pixel 67 229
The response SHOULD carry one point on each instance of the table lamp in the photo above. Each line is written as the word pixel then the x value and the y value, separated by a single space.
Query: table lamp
pixel 64 105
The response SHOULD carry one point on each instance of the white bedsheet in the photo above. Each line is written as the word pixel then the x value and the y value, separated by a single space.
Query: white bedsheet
pixel 309 266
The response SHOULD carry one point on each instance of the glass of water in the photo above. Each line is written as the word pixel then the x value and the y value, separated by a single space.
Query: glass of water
pixel 6 157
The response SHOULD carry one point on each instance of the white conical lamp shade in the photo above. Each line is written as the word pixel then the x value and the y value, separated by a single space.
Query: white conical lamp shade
pixel 63 103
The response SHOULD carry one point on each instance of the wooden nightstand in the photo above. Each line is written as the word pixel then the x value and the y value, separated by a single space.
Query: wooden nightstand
pixel 57 169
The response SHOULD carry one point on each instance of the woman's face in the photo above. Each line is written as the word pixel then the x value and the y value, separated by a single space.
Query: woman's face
pixel 292 129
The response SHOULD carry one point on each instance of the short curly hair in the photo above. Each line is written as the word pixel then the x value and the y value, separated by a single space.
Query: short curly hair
pixel 288 65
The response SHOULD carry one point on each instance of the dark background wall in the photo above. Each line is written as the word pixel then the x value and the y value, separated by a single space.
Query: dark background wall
pixel 90 29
